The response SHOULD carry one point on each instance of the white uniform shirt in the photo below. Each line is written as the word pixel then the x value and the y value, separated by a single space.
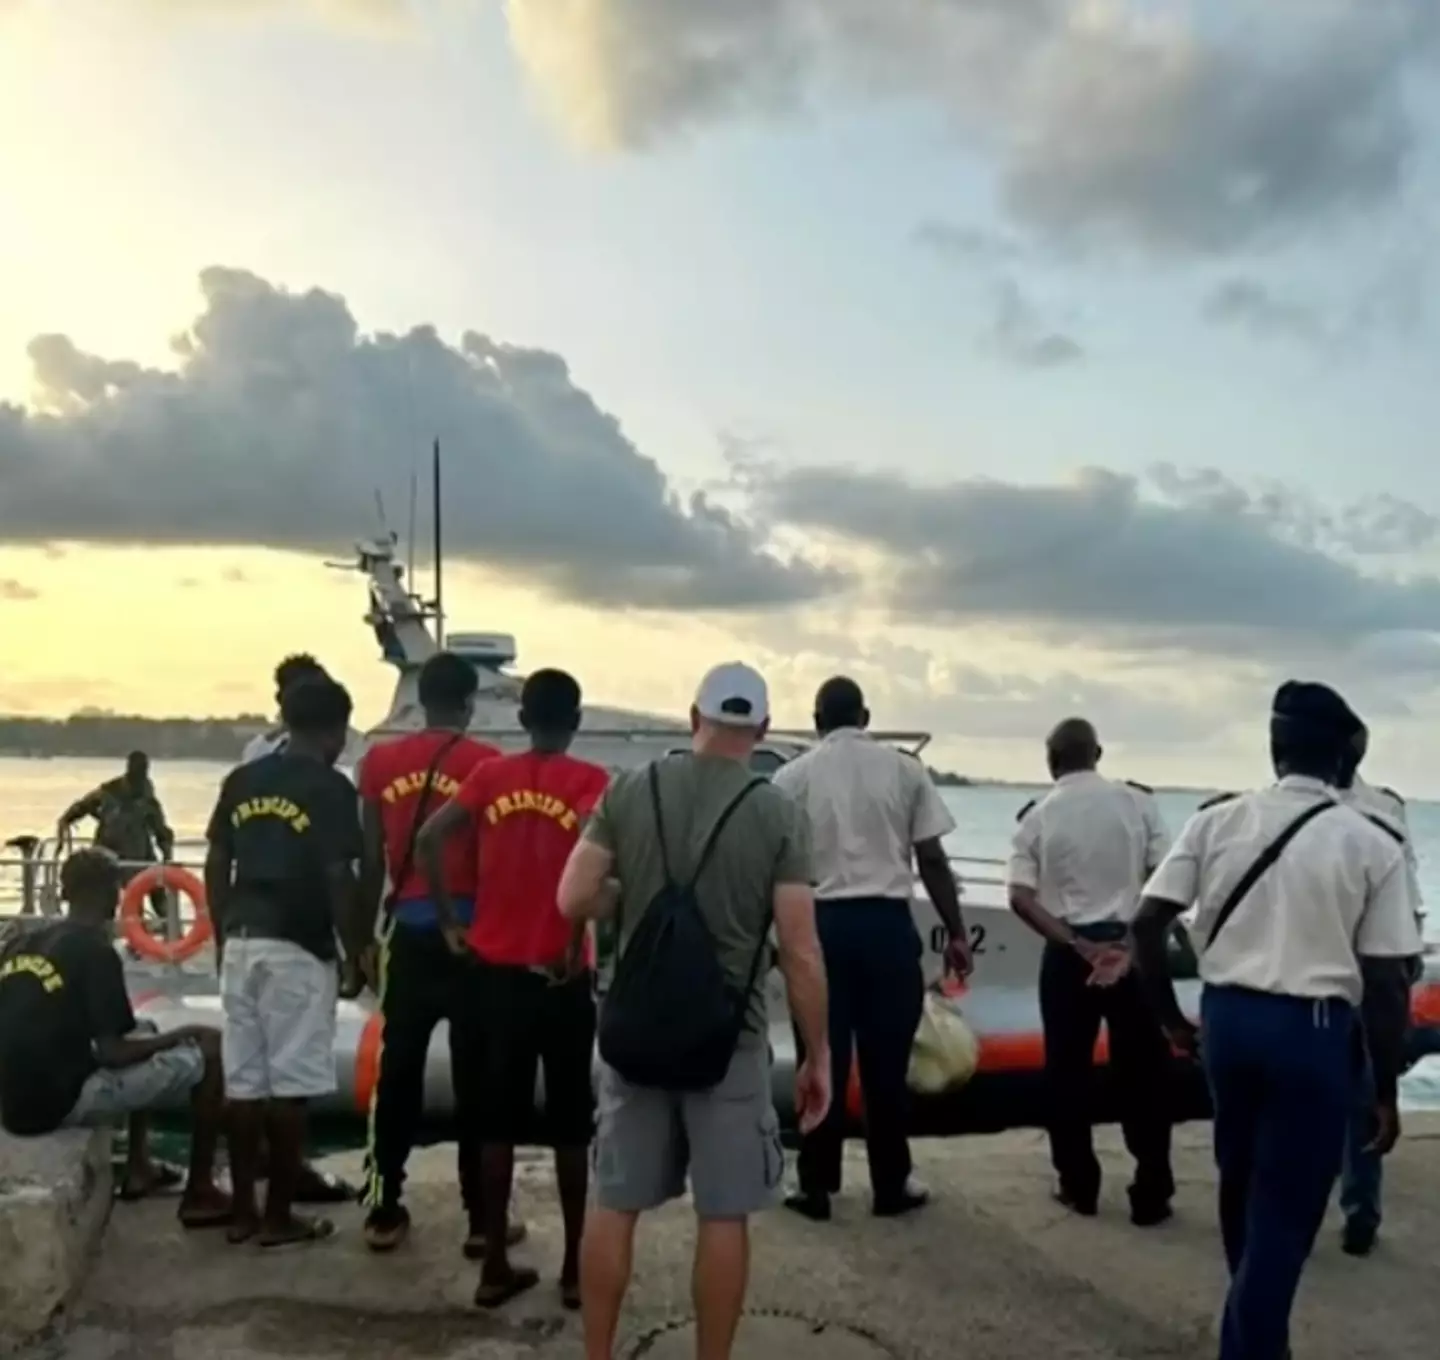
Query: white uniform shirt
pixel 868 805
pixel 1388 807
pixel 1086 847
pixel 1337 892
pixel 268 743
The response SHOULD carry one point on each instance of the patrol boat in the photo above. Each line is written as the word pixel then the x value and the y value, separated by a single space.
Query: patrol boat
pixel 999 1004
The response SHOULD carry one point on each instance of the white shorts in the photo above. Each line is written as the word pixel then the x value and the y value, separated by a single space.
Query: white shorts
pixel 279 1002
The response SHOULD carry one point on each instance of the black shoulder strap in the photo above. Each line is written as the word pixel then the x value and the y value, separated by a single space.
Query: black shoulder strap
pixel 715 831
pixel 1253 874
pixel 1393 832
pixel 719 827
pixel 407 862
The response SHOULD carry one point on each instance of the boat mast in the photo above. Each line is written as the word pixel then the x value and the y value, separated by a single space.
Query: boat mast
pixel 439 550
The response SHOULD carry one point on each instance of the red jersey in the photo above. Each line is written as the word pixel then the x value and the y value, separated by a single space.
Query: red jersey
pixel 392 775
pixel 528 810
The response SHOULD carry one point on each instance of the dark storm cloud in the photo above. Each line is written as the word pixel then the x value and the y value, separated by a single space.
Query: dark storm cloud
pixel 1117 121
pixel 1204 568
pixel 282 419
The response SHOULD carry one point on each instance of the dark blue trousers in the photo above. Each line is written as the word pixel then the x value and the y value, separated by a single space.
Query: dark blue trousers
pixel 877 992
pixel 1361 1176
pixel 1282 1076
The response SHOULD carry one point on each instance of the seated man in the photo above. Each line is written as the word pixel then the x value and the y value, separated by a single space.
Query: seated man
pixel 71 1055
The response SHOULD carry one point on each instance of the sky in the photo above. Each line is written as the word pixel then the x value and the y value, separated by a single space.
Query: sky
pixel 1018 358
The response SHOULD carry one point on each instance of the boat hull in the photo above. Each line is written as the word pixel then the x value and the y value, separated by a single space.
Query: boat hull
pixel 1000 1005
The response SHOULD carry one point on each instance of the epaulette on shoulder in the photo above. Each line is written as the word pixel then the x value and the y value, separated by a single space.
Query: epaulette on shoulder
pixel 1136 784
pixel 1390 793
pixel 1020 816
pixel 1215 800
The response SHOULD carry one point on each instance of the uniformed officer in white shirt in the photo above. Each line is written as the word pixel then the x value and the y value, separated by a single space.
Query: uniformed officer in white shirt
pixel 1079 859
pixel 293 668
pixel 1304 923
pixel 1361 1174
pixel 871 808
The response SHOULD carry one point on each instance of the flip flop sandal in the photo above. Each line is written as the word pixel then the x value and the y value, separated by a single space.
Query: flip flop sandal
pixel 212 1216
pixel 238 1234
pixel 167 1177
pixel 497 1293
pixel 474 1248
pixel 301 1233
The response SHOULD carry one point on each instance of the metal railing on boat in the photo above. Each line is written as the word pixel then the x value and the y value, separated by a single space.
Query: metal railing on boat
pixel 30 876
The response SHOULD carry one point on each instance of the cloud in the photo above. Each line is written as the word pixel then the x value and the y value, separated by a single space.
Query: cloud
pixel 16 592
pixel 1099 557
pixel 1017 333
pixel 1117 120
pixel 958 243
pixel 1248 305
pixel 282 418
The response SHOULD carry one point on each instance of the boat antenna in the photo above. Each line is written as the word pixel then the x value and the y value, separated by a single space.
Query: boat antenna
pixel 439 550
pixel 410 533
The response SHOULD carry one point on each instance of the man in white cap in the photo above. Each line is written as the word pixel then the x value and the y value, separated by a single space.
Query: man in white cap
pixel 693 857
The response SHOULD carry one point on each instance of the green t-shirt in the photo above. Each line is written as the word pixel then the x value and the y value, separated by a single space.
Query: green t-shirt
pixel 763 844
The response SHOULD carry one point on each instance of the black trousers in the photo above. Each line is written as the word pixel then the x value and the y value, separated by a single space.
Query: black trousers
pixel 517 1024
pixel 1140 1065
pixel 877 992
pixel 422 983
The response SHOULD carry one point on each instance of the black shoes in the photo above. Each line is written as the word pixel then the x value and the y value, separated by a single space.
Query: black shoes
pixel 1150 1214
pixel 1358 1239
pixel 814 1206
pixel 1087 1206
pixel 912 1196
pixel 387 1227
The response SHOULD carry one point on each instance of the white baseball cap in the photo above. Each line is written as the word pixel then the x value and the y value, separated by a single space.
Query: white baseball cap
pixel 733 695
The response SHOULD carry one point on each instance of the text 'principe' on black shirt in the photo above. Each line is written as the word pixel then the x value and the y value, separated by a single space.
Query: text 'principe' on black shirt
pixel 285 821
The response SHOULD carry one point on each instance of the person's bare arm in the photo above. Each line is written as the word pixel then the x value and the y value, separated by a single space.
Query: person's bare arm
pixel 445 822
pixel 1150 932
pixel 587 886
pixel 802 965
pixel 88 806
pixel 219 864
pixel 1022 884
pixel 933 866
pixel 127 1050
pixel 355 930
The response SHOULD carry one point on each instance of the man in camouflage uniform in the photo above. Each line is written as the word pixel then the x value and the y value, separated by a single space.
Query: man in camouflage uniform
pixel 129 821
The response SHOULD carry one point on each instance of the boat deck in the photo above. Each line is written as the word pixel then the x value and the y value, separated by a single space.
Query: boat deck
pixel 991 1271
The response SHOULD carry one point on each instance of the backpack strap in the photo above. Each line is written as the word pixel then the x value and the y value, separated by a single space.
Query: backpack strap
pixel 1256 871
pixel 719 827
pixel 407 862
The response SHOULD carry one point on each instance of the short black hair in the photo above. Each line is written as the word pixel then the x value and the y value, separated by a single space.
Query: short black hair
pixel 138 758
pixel 296 667
pixel 92 869
pixel 315 705
pixel 550 700
pixel 839 702
pixel 447 681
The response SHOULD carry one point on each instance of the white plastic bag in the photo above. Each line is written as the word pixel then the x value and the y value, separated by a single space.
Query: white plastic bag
pixel 946 1052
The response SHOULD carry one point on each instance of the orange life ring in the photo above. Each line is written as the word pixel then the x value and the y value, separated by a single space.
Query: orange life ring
pixel 132 915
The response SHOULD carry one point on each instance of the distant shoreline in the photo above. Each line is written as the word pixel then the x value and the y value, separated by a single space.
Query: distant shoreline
pixel 93 735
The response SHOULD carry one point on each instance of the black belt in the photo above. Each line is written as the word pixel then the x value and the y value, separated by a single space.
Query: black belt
pixel 1103 932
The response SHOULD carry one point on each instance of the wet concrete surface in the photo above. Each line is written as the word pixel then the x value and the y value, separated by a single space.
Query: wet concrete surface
pixel 991 1270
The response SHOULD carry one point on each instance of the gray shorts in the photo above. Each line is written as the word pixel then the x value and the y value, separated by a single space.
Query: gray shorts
pixel 727 1140
pixel 163 1081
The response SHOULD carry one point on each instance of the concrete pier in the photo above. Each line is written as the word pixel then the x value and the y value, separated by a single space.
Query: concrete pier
pixel 55 1196
pixel 992 1270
